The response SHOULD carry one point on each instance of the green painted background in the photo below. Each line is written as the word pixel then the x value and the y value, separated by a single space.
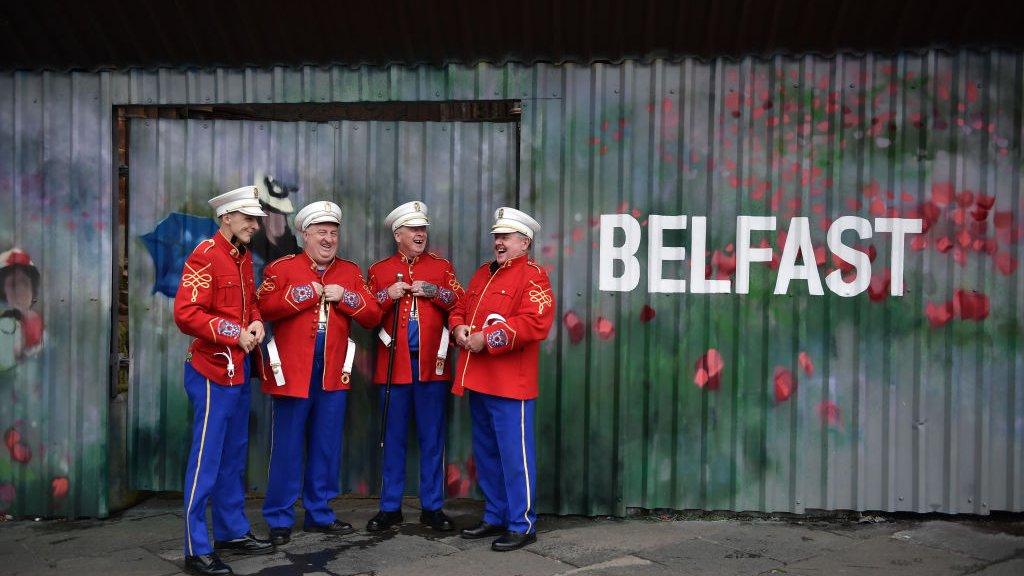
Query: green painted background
pixel 905 403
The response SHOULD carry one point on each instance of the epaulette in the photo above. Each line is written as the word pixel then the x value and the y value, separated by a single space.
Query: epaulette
pixel 282 259
pixel 436 257
pixel 349 262
pixel 205 245
pixel 382 260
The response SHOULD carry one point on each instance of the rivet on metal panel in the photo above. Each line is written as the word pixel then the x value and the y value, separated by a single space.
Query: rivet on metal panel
pixel 970 500
pixel 901 498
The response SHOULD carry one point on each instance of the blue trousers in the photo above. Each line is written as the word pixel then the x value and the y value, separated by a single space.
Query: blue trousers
pixel 427 403
pixel 216 463
pixel 313 426
pixel 503 447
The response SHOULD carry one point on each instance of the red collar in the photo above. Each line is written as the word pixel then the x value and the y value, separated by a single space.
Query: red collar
pixel 225 245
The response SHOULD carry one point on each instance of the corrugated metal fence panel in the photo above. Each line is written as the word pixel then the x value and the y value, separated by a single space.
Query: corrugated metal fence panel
pixel 874 402
pixel 871 402
pixel 55 205
pixel 459 170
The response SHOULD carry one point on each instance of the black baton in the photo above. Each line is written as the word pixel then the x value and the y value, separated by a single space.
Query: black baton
pixel 387 384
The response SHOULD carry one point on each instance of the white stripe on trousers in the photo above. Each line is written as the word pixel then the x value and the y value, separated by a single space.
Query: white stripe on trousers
pixel 199 462
pixel 526 469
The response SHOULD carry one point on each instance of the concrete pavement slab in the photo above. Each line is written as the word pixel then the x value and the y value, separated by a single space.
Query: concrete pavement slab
pixel 782 541
pixel 703 557
pixel 479 561
pixel 886 556
pixel 965 539
pixel 1014 567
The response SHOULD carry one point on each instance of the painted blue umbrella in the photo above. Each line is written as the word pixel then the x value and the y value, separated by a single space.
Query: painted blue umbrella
pixel 170 243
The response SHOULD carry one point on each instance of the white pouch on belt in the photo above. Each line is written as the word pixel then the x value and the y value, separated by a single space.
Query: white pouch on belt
pixel 442 352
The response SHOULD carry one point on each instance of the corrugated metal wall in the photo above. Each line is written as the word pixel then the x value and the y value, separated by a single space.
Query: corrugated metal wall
pixel 458 169
pixel 874 402
pixel 55 183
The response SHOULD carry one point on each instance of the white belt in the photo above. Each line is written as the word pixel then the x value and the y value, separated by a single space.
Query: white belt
pixel 275 362
pixel 442 352
pixel 442 349
pixel 350 356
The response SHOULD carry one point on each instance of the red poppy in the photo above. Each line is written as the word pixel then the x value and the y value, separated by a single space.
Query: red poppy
pixel 970 304
pixel 11 437
pixel 452 479
pixel 1003 220
pixel 942 193
pixel 59 487
pixel 829 413
pixel 575 327
pixel 938 314
pixel 724 263
pixel 604 328
pixel 1006 263
pixel 708 371
pixel 646 314
pixel 806 364
pixel 21 452
pixel 943 244
pixel 878 289
pixel 7 494
pixel 965 198
pixel 784 384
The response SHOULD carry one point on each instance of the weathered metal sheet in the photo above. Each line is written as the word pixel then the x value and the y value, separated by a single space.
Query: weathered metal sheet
pixel 55 205
pixel 741 401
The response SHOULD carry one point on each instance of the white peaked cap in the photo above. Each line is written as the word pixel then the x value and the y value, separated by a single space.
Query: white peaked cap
pixel 318 212
pixel 511 220
pixel 245 200
pixel 409 214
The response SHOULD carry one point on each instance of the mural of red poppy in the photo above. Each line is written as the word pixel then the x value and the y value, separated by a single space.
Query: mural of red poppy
pixel 708 371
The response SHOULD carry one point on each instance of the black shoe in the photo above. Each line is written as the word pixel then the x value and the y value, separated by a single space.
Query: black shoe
pixel 248 544
pixel 437 520
pixel 207 565
pixel 336 528
pixel 384 520
pixel 513 541
pixel 280 536
pixel 482 530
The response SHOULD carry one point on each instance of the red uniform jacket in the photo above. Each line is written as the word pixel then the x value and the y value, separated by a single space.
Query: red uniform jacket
pixel 216 300
pixel 433 314
pixel 514 307
pixel 287 298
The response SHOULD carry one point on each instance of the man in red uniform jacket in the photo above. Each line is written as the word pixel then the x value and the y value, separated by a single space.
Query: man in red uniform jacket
pixel 216 304
pixel 422 298
pixel 311 299
pixel 507 312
